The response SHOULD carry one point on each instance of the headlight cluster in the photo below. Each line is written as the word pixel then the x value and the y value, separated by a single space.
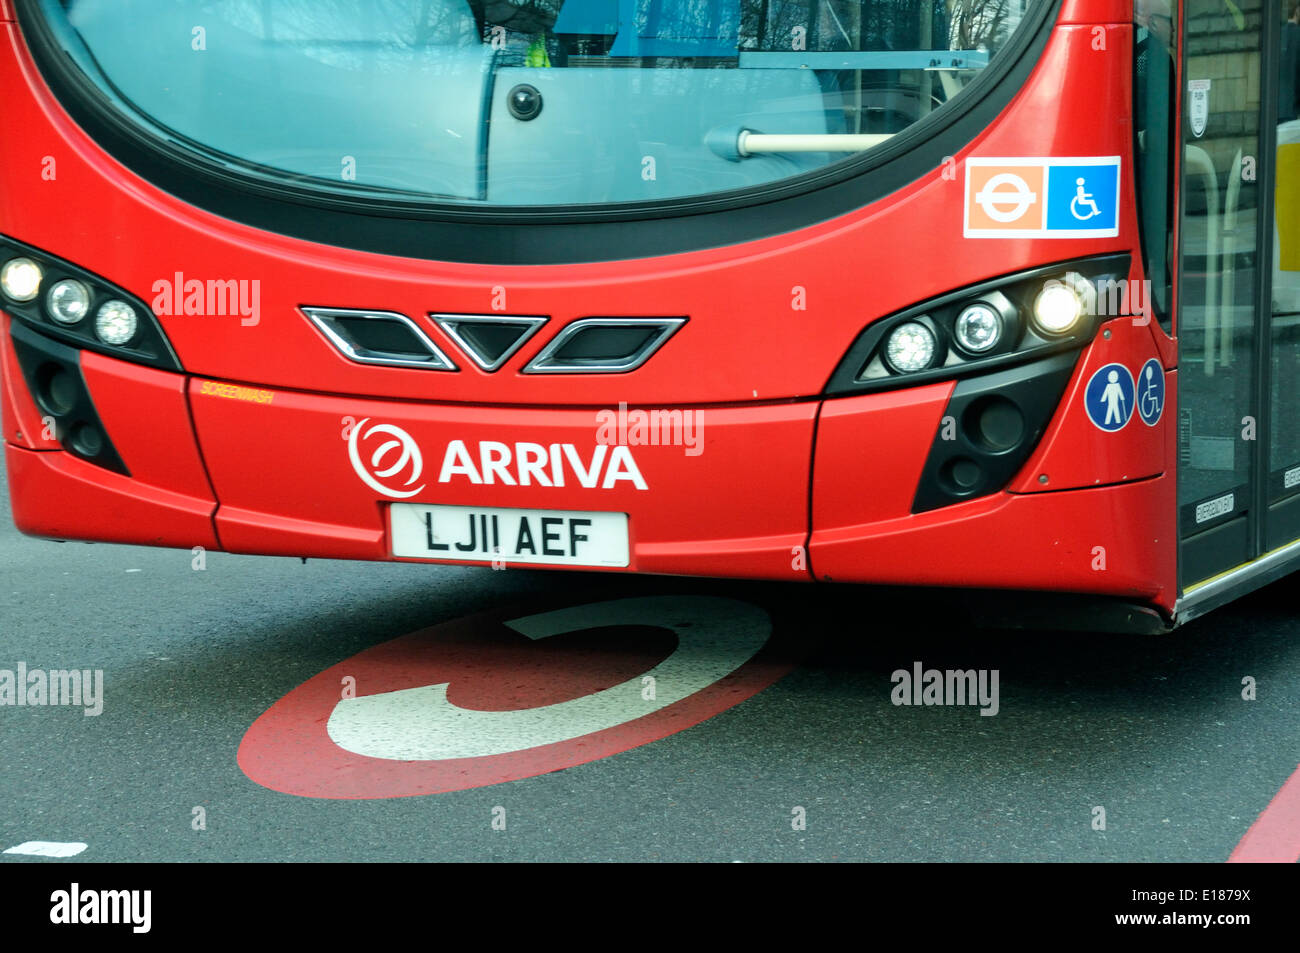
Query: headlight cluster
pixel 997 323
pixel 76 306
pixel 68 301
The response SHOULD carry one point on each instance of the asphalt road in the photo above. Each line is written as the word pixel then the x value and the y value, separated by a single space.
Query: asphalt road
pixel 1152 729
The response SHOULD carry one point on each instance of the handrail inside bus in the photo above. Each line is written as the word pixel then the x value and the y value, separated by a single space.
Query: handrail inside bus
pixel 1198 160
pixel 1227 294
pixel 757 143
pixel 864 60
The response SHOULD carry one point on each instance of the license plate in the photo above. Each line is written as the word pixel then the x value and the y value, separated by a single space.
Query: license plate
pixel 485 534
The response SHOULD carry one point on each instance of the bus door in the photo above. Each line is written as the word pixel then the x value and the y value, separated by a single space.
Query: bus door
pixel 1239 286
pixel 1283 486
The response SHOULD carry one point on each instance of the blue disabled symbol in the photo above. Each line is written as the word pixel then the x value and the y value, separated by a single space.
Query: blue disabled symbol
pixel 1109 398
pixel 1151 392
pixel 1083 197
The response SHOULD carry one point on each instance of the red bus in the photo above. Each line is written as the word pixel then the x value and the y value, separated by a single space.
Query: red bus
pixel 972 295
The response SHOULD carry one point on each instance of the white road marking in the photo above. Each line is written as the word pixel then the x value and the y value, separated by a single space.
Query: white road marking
pixel 47 848
pixel 420 724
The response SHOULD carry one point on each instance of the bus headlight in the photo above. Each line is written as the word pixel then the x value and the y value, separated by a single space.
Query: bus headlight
pixel 79 308
pixel 116 322
pixel 68 301
pixel 1058 308
pixel 1000 322
pixel 911 347
pixel 21 279
pixel 978 328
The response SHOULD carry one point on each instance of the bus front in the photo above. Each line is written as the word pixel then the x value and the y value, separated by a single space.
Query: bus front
pixel 829 289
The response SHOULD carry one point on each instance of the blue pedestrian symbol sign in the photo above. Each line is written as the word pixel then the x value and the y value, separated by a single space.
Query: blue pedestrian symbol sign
pixel 1083 199
pixel 1151 392
pixel 1109 398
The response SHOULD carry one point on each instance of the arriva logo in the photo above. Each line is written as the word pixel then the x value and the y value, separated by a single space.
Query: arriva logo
pixel 389 459
pixel 519 464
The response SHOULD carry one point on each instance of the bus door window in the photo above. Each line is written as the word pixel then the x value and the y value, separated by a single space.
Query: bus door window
pixel 1153 93
pixel 1284 448
pixel 1217 298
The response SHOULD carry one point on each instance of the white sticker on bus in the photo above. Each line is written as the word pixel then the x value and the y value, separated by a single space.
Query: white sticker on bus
pixel 1042 197
pixel 1220 506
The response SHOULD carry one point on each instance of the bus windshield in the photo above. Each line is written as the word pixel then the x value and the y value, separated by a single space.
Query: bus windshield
pixel 531 102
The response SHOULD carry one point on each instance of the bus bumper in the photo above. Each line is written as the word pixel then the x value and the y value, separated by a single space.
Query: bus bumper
pixel 280 472
pixel 290 472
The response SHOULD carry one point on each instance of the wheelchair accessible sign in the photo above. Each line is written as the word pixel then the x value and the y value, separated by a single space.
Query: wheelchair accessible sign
pixel 1042 198
pixel 1112 396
